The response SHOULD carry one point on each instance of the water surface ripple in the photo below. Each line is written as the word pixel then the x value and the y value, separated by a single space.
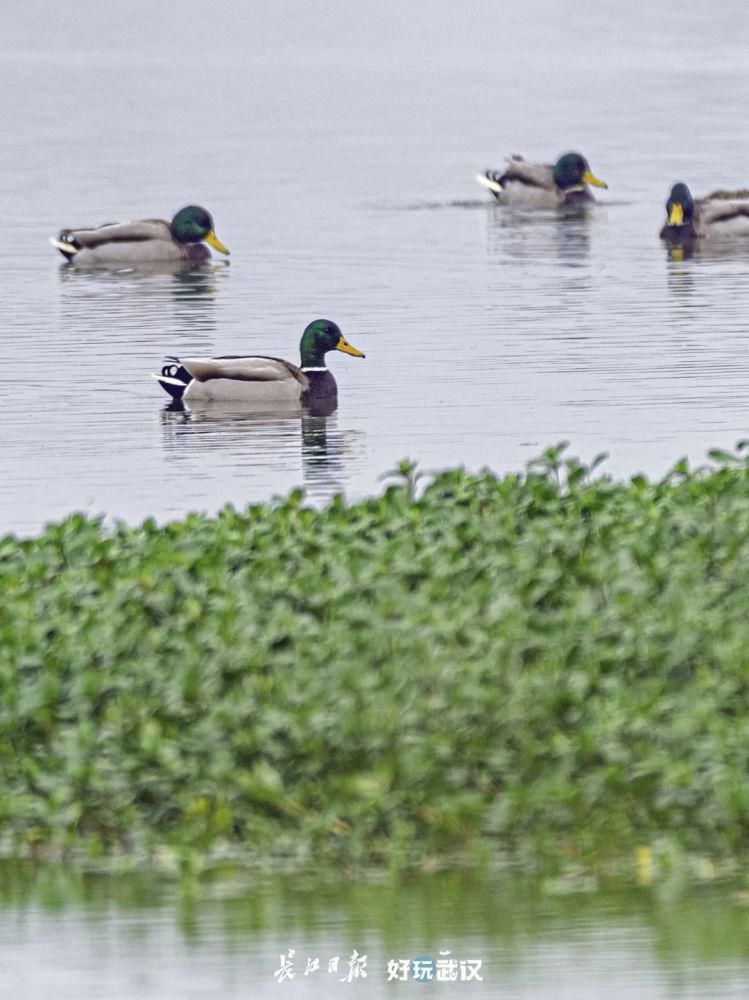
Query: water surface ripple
pixel 336 151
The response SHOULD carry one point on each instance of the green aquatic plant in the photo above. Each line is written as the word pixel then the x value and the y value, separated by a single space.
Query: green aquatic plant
pixel 549 663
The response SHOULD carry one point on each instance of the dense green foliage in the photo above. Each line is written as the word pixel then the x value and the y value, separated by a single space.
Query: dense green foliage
pixel 540 662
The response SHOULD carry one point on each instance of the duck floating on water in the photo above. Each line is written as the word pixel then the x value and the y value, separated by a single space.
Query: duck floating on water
pixel 261 380
pixel 720 214
pixel 542 185
pixel 144 242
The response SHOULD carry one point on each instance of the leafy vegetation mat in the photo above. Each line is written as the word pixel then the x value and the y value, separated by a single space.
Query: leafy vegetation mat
pixel 540 662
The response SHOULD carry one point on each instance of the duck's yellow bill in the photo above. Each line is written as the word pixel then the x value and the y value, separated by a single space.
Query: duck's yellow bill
pixel 676 215
pixel 343 345
pixel 213 241
pixel 590 178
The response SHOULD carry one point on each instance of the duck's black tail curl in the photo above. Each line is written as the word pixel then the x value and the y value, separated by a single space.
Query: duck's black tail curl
pixel 174 379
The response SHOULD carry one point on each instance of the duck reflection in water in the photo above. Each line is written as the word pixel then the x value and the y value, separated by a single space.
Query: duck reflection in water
pixel 572 235
pixel 707 250
pixel 140 303
pixel 186 273
pixel 252 439
pixel 185 282
pixel 681 275
pixel 323 450
pixel 521 235
pixel 685 263
pixel 188 284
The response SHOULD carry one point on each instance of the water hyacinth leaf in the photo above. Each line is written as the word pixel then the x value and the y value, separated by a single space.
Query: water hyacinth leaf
pixel 550 662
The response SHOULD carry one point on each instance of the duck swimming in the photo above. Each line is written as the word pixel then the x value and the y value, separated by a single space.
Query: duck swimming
pixel 259 379
pixel 720 214
pixel 542 185
pixel 143 242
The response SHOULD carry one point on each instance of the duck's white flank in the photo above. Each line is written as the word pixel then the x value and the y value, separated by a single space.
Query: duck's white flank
pixel 738 225
pixel 255 392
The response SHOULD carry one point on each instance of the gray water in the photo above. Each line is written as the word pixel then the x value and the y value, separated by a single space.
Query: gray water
pixel 98 938
pixel 335 145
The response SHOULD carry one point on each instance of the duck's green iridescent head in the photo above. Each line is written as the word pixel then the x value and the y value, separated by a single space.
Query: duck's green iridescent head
pixel 194 224
pixel 321 336
pixel 680 206
pixel 572 169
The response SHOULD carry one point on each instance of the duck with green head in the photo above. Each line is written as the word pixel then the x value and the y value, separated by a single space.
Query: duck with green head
pixel 566 182
pixel 721 214
pixel 148 241
pixel 260 380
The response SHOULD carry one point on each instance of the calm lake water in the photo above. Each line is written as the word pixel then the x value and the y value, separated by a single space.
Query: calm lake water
pixel 335 145
pixel 98 938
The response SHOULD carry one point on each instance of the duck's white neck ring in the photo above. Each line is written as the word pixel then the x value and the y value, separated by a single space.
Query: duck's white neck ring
pixel 323 368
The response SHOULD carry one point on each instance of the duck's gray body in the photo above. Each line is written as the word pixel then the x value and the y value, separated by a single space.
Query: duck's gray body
pixel 148 241
pixel 721 215
pixel 258 380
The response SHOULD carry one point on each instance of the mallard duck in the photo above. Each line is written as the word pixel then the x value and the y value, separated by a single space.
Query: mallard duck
pixel 259 379
pixel 720 214
pixel 542 185
pixel 143 242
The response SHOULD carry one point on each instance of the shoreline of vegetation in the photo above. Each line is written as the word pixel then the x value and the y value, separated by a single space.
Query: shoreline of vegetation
pixel 548 665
